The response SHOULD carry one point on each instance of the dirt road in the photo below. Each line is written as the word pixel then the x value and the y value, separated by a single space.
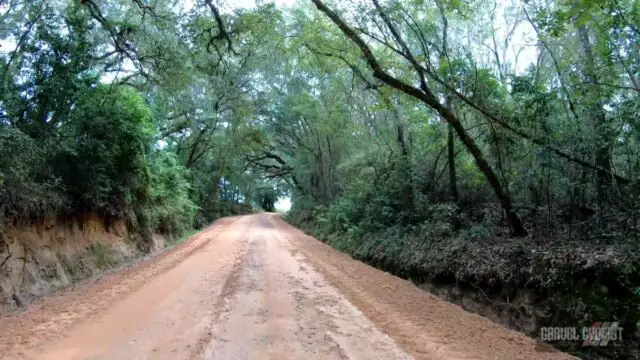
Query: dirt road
pixel 254 287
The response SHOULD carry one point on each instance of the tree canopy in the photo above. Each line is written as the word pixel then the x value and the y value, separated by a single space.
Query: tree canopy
pixel 505 118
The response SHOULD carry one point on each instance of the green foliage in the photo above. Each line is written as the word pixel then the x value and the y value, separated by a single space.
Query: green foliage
pixel 170 209
pixel 27 188
pixel 266 199
pixel 103 166
pixel 73 145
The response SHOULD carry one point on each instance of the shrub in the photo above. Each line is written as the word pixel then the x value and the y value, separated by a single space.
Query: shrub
pixel 102 160
pixel 170 209
pixel 27 187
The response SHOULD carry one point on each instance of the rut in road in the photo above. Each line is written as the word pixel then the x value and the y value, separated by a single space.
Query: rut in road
pixel 254 287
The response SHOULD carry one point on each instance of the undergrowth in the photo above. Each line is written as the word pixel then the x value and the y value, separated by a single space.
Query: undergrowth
pixel 575 281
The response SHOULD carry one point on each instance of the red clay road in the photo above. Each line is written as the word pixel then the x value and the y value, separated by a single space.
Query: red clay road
pixel 254 287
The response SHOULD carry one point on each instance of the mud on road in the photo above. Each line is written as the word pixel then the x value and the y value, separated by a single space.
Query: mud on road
pixel 254 287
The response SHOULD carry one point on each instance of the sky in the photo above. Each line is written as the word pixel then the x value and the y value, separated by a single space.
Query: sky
pixel 283 204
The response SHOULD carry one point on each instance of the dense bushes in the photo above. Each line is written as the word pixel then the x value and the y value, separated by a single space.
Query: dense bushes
pixel 28 187
pixel 171 210
pixel 102 158
pixel 98 159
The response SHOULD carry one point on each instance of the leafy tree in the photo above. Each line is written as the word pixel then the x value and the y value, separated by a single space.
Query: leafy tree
pixel 104 164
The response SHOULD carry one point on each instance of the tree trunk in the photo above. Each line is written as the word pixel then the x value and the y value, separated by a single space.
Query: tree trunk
pixel 407 192
pixel 444 57
pixel 598 117
pixel 514 220
pixel 453 181
pixel 401 142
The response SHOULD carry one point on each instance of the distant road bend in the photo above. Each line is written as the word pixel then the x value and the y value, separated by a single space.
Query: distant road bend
pixel 254 287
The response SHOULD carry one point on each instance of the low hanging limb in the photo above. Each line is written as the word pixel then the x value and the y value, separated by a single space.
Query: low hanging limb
pixel 423 70
pixel 425 95
pixel 282 170
pixel 541 142
pixel 431 100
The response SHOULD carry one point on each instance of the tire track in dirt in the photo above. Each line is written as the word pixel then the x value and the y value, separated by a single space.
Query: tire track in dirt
pixel 222 304
pixel 281 308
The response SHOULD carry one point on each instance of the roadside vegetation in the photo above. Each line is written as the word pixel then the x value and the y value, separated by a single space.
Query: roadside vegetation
pixel 491 146
pixel 90 122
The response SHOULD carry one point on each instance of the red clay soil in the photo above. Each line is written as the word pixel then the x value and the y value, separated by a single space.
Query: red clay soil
pixel 255 287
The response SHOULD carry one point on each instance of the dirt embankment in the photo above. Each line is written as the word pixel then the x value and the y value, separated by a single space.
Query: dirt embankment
pixel 39 259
